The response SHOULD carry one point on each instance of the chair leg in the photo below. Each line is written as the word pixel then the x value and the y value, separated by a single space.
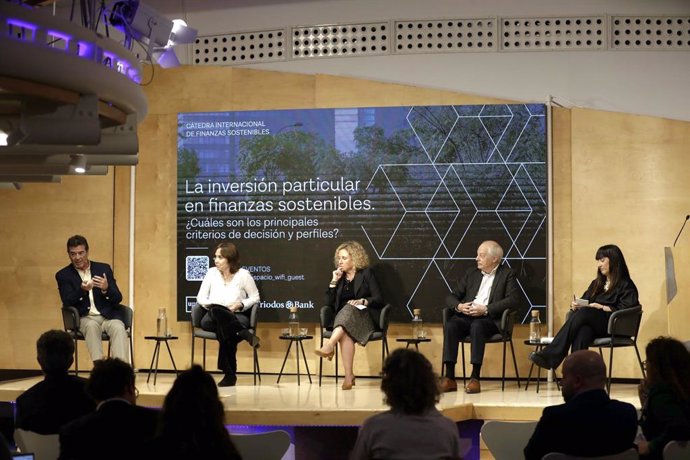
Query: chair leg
pixel 204 359
pixel 336 363
pixel 76 357
pixel 503 375
pixel 321 360
pixel 639 361
pixel 462 352
pixel 517 375
pixel 256 366
pixel 383 354
pixel 131 351
pixel 608 382
pixel 193 340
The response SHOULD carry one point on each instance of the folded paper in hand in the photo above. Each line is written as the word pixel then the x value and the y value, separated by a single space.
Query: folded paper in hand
pixel 582 302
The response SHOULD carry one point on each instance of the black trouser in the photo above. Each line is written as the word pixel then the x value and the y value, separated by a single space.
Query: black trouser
pixel 459 326
pixel 579 331
pixel 226 325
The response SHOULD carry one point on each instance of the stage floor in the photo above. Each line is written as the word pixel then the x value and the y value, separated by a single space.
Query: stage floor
pixel 307 404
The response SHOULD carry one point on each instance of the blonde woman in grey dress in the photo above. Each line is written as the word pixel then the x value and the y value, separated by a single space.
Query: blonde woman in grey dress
pixel 355 297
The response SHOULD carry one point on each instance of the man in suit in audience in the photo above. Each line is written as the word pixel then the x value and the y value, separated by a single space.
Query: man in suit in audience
pixel 589 424
pixel 90 287
pixel 478 303
pixel 59 398
pixel 118 428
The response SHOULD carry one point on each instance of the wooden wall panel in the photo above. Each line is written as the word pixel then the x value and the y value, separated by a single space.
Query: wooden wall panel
pixel 562 215
pixel 630 188
pixel 35 224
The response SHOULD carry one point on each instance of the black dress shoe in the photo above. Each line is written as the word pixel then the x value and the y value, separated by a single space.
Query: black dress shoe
pixel 540 360
pixel 253 340
pixel 228 381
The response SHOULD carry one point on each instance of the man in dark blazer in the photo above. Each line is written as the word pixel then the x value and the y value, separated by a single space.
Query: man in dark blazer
pixel 478 304
pixel 118 428
pixel 589 424
pixel 60 397
pixel 90 287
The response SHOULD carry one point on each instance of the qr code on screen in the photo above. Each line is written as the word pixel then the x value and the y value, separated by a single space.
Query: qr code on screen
pixel 196 267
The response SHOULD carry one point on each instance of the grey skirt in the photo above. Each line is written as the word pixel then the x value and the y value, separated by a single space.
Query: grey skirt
pixel 357 323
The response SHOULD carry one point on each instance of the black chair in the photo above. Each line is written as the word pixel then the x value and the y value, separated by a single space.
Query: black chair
pixel 198 333
pixel 504 336
pixel 623 327
pixel 380 333
pixel 70 319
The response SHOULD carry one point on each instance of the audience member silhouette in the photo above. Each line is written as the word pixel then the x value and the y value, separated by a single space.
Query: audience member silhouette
pixel 192 422
pixel 5 453
pixel 59 398
pixel 118 428
pixel 665 397
pixel 413 427
pixel 589 424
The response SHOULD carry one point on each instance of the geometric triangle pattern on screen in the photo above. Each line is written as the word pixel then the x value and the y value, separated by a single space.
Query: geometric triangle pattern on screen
pixel 484 177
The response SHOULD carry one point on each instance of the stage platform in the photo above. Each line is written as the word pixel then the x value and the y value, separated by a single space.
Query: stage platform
pixel 307 404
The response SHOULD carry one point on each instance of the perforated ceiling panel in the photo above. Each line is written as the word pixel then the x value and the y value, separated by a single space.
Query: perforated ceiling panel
pixel 635 33
pixel 502 34
pixel 240 48
pixel 445 36
pixel 340 40
pixel 563 33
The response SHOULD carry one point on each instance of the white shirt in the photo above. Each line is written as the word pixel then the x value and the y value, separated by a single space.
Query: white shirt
pixel 214 289
pixel 85 276
pixel 484 291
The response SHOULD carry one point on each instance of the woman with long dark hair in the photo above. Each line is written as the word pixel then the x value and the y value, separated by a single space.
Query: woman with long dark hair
pixel 665 397
pixel 611 290
pixel 413 427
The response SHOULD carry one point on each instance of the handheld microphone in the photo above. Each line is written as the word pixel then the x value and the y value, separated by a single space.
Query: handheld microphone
pixel 681 229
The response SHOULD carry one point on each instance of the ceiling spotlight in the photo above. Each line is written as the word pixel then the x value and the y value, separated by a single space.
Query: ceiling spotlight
pixel 154 31
pixel 78 164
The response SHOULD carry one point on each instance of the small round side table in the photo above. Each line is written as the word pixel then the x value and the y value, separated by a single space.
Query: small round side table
pixel 157 354
pixel 412 341
pixel 298 340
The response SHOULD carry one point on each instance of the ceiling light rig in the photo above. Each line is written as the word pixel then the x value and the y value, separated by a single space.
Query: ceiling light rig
pixel 156 33
pixel 71 97
pixel 78 164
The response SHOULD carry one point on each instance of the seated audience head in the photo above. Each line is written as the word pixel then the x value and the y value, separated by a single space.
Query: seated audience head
pixel 231 254
pixel 668 361
pixel 193 414
pixel 111 378
pixel 357 254
pixel 409 383
pixel 55 352
pixel 582 370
